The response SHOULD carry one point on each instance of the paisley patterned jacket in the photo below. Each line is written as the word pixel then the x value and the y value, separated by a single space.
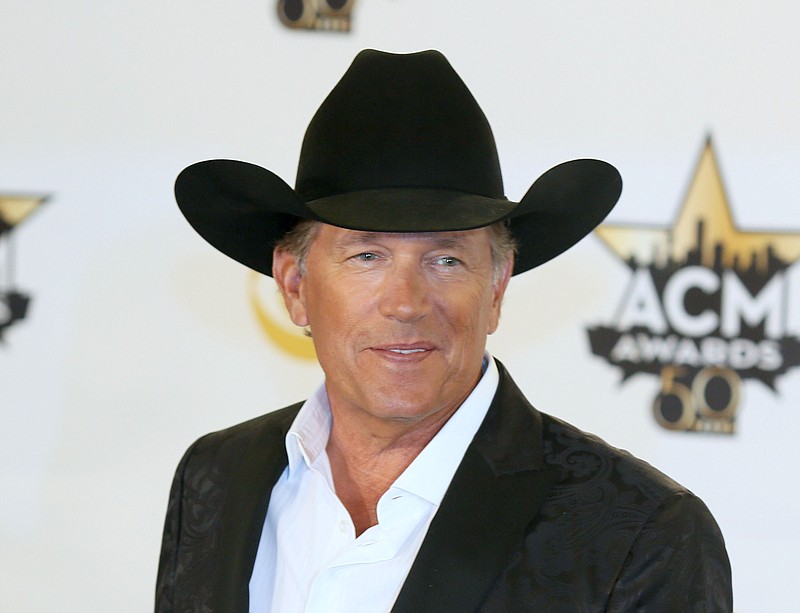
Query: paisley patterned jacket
pixel 539 517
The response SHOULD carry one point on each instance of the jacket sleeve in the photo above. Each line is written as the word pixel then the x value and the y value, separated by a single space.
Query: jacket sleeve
pixel 170 545
pixel 677 563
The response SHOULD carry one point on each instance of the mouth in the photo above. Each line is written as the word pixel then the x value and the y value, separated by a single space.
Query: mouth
pixel 405 350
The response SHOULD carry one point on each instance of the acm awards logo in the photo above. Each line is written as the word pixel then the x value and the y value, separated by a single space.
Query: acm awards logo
pixel 14 208
pixel 706 307
pixel 330 15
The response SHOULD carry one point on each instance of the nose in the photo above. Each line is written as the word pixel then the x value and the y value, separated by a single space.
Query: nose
pixel 404 293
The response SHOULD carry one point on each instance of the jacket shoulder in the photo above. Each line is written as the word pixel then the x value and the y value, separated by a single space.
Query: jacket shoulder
pixel 583 459
pixel 614 527
pixel 189 562
pixel 268 424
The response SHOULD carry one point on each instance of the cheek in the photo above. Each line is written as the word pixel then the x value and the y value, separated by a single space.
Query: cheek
pixel 472 312
pixel 331 313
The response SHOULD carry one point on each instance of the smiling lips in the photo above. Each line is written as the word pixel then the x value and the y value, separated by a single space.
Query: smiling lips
pixel 401 350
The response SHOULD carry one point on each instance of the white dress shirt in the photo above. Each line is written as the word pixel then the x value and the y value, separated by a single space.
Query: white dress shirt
pixel 309 559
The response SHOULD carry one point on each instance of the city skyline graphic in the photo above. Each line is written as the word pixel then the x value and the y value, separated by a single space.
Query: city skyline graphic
pixel 706 306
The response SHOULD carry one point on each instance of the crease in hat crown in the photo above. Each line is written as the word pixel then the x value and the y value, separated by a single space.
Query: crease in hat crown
pixel 399 145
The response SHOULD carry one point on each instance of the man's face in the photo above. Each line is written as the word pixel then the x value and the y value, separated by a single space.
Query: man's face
pixel 399 321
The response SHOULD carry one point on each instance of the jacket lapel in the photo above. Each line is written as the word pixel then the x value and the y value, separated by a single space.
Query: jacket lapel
pixel 495 494
pixel 245 509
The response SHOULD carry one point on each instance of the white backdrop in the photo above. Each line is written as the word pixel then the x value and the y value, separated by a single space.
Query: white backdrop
pixel 140 337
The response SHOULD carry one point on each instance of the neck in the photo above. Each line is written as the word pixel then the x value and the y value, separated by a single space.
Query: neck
pixel 365 462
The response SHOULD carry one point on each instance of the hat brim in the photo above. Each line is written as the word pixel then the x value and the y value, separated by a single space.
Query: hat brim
pixel 562 206
pixel 243 209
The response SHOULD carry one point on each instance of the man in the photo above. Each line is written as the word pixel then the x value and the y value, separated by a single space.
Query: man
pixel 418 478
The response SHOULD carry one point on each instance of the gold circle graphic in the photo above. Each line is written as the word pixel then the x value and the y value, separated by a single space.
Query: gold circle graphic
pixel 289 338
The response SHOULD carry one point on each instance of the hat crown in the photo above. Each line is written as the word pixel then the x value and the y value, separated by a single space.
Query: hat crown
pixel 399 121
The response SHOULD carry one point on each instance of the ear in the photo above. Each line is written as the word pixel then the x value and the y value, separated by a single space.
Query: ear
pixel 286 272
pixel 498 291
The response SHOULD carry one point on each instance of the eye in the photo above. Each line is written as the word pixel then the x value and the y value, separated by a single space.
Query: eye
pixel 447 261
pixel 367 256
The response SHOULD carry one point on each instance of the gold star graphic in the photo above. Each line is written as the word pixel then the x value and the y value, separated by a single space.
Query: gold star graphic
pixel 14 208
pixel 704 228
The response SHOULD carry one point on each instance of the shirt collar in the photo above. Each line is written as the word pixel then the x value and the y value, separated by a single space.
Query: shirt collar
pixel 308 436
pixel 429 475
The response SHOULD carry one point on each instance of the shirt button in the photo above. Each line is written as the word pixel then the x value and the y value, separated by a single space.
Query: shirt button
pixel 343 526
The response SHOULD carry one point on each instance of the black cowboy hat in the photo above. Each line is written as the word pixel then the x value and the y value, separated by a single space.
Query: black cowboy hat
pixel 399 145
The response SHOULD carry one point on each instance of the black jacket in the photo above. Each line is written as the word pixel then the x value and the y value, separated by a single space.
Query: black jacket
pixel 539 517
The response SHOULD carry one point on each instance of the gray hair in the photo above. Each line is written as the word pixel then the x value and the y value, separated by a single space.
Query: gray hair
pixel 298 241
